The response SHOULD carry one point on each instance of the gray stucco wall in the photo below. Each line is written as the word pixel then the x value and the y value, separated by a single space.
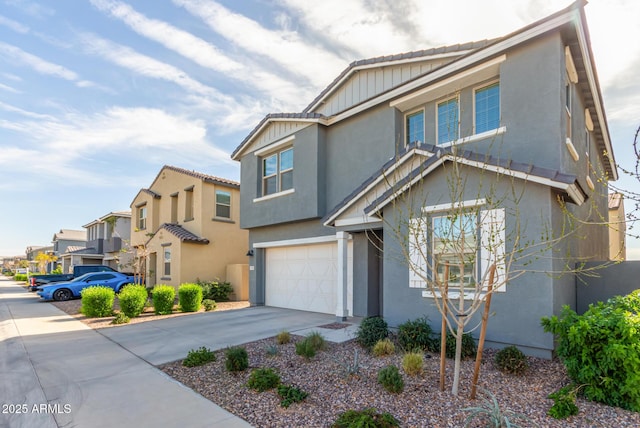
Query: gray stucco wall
pixel 612 280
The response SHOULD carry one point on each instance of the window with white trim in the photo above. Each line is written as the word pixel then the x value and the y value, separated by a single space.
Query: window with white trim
pixel 277 172
pixel 448 121
pixel 487 108
pixel 167 261
pixel 414 127
pixel 142 217
pixel 454 244
pixel 223 204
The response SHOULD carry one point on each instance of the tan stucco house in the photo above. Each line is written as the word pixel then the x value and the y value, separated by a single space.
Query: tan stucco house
pixel 617 228
pixel 186 226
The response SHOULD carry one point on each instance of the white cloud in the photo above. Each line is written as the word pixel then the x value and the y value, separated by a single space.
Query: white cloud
pixel 36 63
pixel 9 89
pixel 13 109
pixel 13 25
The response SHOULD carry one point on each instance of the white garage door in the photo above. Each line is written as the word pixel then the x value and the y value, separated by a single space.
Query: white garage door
pixel 305 277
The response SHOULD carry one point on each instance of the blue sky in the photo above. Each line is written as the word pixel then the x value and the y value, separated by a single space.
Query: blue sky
pixel 97 95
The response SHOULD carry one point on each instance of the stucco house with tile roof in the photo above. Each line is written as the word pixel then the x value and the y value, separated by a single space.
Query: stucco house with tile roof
pixel 186 225
pixel 324 189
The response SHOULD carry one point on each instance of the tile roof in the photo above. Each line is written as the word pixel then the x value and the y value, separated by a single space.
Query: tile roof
pixel 204 177
pixel 150 192
pixel 183 234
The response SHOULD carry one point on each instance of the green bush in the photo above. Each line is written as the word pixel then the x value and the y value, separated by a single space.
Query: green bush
pixel 283 337
pixel 601 349
pixel 190 297
pixel 209 305
pixel 198 357
pixel 163 297
pixel 263 379
pixel 317 341
pixel 120 318
pixel 416 334
pixel 237 359
pixel 511 360
pixel 564 402
pixel 468 346
pixel 97 301
pixel 218 291
pixel 391 379
pixel 305 349
pixel 132 299
pixel 290 394
pixel 367 418
pixel 20 277
pixel 371 330
pixel 412 363
pixel 383 347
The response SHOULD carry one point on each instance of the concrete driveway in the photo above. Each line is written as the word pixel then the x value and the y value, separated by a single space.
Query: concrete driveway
pixel 55 371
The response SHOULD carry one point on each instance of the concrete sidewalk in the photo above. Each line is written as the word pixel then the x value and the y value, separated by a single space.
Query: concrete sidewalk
pixel 58 372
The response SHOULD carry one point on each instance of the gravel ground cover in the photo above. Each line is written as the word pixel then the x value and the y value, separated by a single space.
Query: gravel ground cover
pixel 421 404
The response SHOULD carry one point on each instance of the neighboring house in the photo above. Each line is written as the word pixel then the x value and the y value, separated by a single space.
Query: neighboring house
pixel 316 185
pixel 33 251
pixel 67 238
pixel 186 226
pixel 617 228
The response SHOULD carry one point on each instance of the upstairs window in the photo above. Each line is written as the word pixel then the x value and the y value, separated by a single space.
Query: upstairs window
pixel 414 127
pixel 487 108
pixel 277 172
pixel 448 124
pixel 142 218
pixel 223 204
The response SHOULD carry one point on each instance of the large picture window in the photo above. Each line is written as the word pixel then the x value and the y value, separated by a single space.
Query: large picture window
pixel 277 172
pixel 448 125
pixel 415 127
pixel 487 108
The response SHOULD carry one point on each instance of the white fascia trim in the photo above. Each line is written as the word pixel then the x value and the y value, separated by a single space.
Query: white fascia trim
pixel 294 242
pixel 274 195
pixel 596 97
pixel 272 147
pixel 454 205
pixel 448 69
pixel 396 165
pixel 354 70
pixel 450 80
pixel 476 137
pixel 357 221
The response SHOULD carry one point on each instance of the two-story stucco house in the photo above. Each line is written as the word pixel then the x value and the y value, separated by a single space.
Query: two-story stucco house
pixel 186 226
pixel 321 188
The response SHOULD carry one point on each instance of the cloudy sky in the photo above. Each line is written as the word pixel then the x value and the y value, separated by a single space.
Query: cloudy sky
pixel 97 95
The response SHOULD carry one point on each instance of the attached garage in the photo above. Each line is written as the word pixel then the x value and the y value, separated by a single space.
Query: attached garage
pixel 305 277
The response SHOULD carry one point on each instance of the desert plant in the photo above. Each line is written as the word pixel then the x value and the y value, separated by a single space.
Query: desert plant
pixel 120 318
pixel 416 334
pixel 305 349
pixel 198 357
pixel 600 349
pixel 263 379
pixel 190 297
pixel 237 359
pixel 369 418
pixel 163 297
pixel 391 379
pixel 383 347
pixel 371 330
pixel 290 394
pixel 564 402
pixel 283 337
pixel 214 290
pixel 209 305
pixel 317 341
pixel 490 413
pixel 97 301
pixel 412 362
pixel 132 299
pixel 352 367
pixel 272 350
pixel 511 360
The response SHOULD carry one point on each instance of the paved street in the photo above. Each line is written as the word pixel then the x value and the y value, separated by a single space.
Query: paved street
pixel 57 372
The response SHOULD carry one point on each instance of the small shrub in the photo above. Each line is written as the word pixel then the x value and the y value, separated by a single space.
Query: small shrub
pixel 283 337
pixel 511 360
pixel 121 318
pixel 491 414
pixel 272 350
pixel 237 359
pixel 97 301
pixel 317 341
pixel 263 379
pixel 305 349
pixel 199 357
pixel 21 277
pixel 218 291
pixel 391 379
pixel 564 402
pixel 383 347
pixel 290 394
pixel 190 297
pixel 416 334
pixel 351 368
pixel 132 299
pixel 163 297
pixel 412 363
pixel 371 330
pixel 468 346
pixel 368 418
pixel 209 305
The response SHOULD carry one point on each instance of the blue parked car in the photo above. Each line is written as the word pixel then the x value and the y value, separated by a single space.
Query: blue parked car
pixel 71 289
